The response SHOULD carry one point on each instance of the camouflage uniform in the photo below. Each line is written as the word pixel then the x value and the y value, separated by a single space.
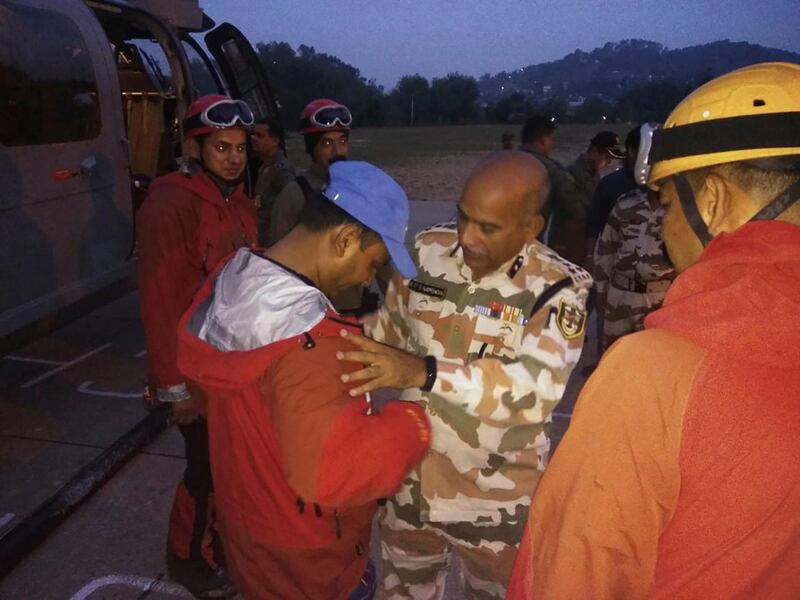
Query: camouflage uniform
pixel 585 180
pixel 289 203
pixel 273 175
pixel 565 210
pixel 505 346
pixel 632 271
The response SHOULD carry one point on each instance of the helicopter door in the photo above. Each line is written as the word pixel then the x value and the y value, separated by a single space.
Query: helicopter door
pixel 242 69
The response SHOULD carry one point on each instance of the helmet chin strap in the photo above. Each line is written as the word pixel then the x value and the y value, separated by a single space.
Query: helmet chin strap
pixel 771 211
pixel 226 186
pixel 779 203
pixel 689 207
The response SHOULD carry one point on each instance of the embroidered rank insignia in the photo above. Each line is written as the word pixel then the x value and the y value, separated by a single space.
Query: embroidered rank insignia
pixel 570 319
pixel 515 267
pixel 504 312
pixel 425 288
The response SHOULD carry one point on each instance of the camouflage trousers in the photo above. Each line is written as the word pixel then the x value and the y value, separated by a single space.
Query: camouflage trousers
pixel 624 312
pixel 417 555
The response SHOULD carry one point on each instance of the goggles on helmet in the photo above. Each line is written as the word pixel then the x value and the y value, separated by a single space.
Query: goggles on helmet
pixel 330 116
pixel 222 114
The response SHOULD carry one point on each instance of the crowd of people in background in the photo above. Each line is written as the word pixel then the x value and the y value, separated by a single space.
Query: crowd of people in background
pixel 678 250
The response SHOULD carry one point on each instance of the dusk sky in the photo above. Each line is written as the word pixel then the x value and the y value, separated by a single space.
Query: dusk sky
pixel 386 39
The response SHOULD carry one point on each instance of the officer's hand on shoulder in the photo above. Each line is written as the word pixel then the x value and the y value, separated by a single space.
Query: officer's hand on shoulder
pixel 384 366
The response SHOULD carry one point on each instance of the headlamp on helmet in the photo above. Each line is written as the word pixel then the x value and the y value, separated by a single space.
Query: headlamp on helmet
pixel 641 169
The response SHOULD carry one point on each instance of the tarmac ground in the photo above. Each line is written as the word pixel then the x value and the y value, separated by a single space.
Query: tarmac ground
pixel 64 399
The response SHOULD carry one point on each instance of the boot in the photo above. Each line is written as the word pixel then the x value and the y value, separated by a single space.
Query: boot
pixel 196 576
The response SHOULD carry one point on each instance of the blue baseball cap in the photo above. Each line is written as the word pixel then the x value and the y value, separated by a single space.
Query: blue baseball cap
pixel 376 201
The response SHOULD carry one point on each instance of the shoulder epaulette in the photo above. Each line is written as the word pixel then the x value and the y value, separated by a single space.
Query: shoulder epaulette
pixel 440 229
pixel 578 275
pixel 635 193
pixel 446 226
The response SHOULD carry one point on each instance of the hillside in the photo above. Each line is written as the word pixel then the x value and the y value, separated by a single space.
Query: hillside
pixel 617 67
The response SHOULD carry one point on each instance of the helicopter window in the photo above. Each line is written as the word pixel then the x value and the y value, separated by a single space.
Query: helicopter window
pixel 48 89
pixel 202 78
pixel 155 62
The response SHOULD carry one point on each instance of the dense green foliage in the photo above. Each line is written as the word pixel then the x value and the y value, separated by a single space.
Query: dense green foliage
pixel 624 82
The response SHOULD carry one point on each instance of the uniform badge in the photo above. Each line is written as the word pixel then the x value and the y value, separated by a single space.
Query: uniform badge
pixel 570 319
pixel 426 288
pixel 504 312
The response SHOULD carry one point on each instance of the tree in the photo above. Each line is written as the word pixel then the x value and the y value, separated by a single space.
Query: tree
pixel 594 110
pixel 454 99
pixel 299 77
pixel 505 108
pixel 410 101
pixel 555 107
pixel 650 102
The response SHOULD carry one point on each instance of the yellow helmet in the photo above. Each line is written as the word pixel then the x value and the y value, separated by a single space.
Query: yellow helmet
pixel 750 113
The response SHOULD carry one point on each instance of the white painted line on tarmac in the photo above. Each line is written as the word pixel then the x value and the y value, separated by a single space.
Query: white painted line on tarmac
pixel 146 584
pixel 42 361
pixel 6 518
pixel 63 366
pixel 141 354
pixel 560 415
pixel 85 388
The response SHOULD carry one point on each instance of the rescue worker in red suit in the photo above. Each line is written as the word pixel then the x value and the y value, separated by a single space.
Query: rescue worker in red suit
pixel 189 221
pixel 679 474
pixel 300 462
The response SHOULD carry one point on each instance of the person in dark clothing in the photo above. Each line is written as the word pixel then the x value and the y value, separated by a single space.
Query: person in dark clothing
pixel 565 203
pixel 275 171
pixel 610 188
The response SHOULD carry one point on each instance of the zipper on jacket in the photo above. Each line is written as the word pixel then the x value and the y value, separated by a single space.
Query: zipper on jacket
pixel 237 222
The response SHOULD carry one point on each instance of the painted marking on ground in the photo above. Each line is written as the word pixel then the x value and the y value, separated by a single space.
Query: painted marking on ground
pixel 141 354
pixel 64 366
pixel 85 388
pixel 146 584
pixel 560 415
pixel 42 361
pixel 6 518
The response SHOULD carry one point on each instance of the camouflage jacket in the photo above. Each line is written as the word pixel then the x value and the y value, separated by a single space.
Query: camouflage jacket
pixel 631 244
pixel 585 181
pixel 505 347
pixel 289 203
pixel 565 200
pixel 274 175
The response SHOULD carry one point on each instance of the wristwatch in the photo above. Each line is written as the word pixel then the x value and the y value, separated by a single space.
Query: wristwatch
pixel 430 373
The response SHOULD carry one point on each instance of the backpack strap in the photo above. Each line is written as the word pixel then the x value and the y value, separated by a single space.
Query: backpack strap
pixel 304 185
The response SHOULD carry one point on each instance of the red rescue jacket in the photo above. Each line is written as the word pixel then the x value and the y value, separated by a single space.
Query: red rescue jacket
pixel 184 227
pixel 679 475
pixel 297 463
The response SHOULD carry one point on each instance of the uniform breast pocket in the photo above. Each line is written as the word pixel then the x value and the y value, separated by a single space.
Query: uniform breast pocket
pixel 425 312
pixel 495 338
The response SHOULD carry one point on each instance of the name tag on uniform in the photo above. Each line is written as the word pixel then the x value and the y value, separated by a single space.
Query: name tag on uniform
pixel 425 288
